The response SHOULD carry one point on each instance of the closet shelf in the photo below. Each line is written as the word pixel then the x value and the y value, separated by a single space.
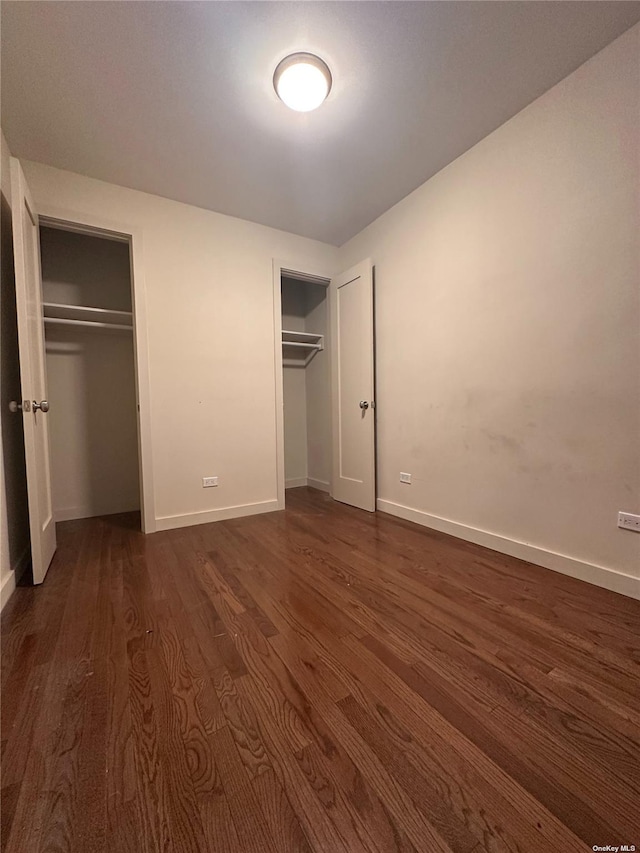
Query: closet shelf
pixel 83 315
pixel 306 343
pixel 91 324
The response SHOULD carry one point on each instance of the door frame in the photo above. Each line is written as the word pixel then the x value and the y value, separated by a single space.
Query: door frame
pixel 98 226
pixel 305 272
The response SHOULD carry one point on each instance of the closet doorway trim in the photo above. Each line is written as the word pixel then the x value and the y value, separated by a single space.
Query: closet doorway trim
pixel 303 272
pixel 98 226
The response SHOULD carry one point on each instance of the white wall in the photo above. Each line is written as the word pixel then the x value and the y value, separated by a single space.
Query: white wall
pixel 83 269
pixel 508 322
pixel 307 391
pixel 318 378
pixel 294 390
pixel 14 518
pixel 209 292
pixel 90 379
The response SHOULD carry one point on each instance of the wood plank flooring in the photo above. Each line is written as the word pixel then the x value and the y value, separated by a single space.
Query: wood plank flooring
pixel 318 680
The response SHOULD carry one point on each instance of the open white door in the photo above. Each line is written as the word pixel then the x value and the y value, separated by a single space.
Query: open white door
pixel 352 388
pixel 33 375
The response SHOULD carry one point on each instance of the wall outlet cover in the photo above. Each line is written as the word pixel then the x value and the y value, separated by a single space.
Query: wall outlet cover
pixel 209 482
pixel 629 521
pixel 405 478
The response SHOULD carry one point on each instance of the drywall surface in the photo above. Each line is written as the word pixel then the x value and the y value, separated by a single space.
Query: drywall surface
pixel 294 390
pixel 81 269
pixel 318 390
pixel 209 296
pixel 91 379
pixel 94 442
pixel 307 391
pixel 508 318
pixel 14 515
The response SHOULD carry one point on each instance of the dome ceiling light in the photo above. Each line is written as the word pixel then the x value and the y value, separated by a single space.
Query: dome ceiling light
pixel 302 81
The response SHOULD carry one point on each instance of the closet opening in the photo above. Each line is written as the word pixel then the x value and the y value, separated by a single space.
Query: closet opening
pixel 91 373
pixel 306 381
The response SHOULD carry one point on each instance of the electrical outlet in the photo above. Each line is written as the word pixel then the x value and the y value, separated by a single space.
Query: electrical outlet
pixel 209 482
pixel 405 478
pixel 628 521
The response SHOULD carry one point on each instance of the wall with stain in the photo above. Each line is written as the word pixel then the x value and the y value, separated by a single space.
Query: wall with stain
pixel 508 318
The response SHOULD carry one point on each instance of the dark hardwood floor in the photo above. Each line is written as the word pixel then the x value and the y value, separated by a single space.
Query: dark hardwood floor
pixel 315 680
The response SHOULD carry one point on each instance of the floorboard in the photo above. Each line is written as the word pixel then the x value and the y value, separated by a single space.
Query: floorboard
pixel 319 680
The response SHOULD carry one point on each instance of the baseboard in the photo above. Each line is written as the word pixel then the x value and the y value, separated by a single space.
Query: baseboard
pixel 597 575
pixel 73 513
pixel 6 589
pixel 171 522
pixel 295 482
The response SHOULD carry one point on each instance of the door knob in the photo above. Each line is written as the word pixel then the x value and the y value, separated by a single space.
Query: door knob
pixel 14 406
pixel 364 404
pixel 43 406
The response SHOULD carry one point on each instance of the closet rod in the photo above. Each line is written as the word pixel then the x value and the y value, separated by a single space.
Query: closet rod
pixel 91 323
pixel 298 344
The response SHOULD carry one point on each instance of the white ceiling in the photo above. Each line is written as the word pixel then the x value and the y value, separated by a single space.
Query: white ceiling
pixel 175 98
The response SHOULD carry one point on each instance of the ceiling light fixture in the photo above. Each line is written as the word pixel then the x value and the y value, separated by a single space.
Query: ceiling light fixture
pixel 302 81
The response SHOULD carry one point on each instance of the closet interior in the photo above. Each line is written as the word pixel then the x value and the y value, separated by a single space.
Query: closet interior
pixel 306 383
pixel 88 321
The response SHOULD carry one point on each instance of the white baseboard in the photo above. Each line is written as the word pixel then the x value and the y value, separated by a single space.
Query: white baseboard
pixel 597 575
pixel 73 513
pixel 171 522
pixel 295 482
pixel 6 588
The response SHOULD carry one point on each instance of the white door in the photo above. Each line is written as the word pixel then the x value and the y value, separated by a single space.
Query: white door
pixel 33 375
pixel 352 388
